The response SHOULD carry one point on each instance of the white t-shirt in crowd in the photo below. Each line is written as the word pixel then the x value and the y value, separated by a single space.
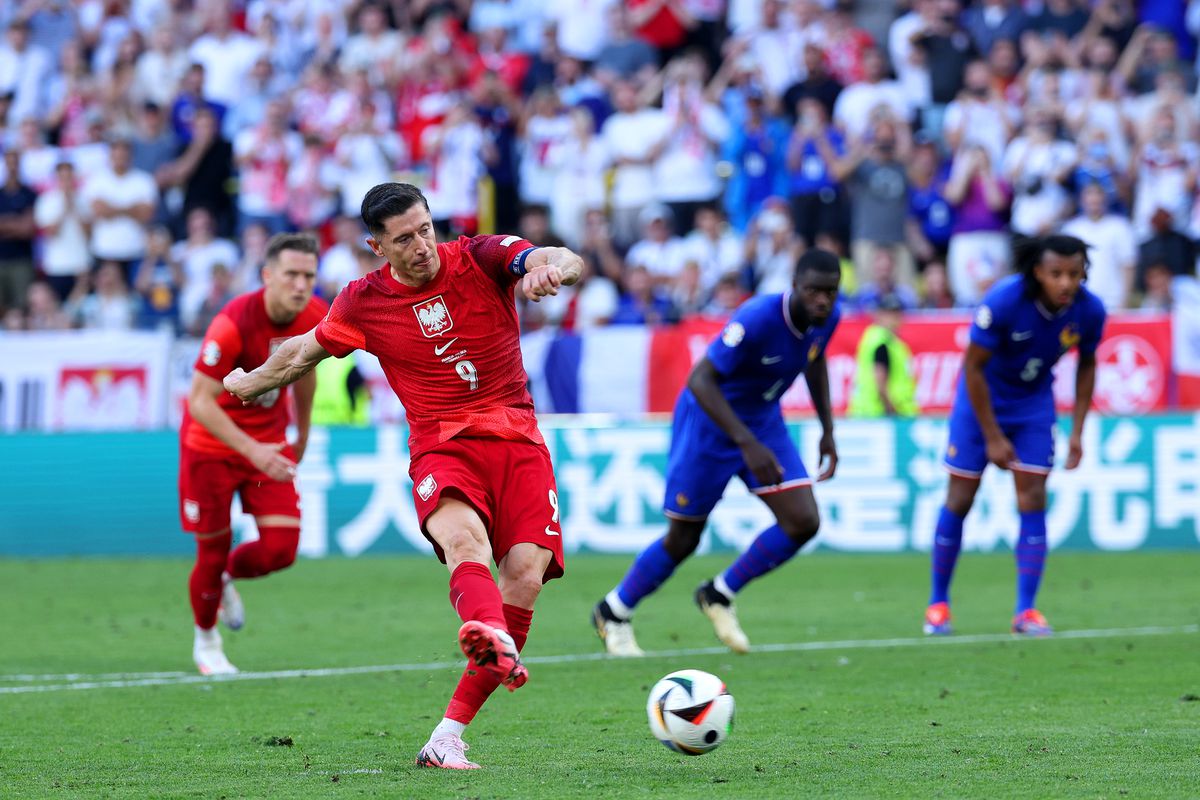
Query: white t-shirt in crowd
pixel 338 266
pixel 542 136
pixel 457 166
pixel 65 252
pixel 981 124
pixel 1032 210
pixel 197 262
pixel 715 259
pixel 582 26
pixel 1113 248
pixel 687 169
pixel 365 160
pixel 852 111
pixel 661 259
pixel 634 135
pixel 226 63
pixel 122 237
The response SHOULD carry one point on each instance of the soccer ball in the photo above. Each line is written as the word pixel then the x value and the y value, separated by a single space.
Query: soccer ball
pixel 690 711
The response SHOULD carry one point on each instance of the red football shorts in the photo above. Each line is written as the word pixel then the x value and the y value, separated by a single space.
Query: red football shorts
pixel 509 483
pixel 207 482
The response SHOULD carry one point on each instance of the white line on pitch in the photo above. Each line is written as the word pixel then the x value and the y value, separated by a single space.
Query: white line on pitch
pixel 181 679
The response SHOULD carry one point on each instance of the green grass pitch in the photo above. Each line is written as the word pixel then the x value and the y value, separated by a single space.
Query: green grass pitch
pixel 1115 713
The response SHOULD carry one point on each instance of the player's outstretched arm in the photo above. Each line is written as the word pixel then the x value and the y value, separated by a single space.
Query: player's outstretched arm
pixel 303 390
pixel 547 268
pixel 758 457
pixel 203 406
pixel 817 378
pixel 289 363
pixel 999 449
pixel 1085 385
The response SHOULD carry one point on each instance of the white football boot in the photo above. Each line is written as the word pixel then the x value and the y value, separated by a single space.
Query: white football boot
pixel 616 633
pixel 720 611
pixel 445 751
pixel 231 612
pixel 209 655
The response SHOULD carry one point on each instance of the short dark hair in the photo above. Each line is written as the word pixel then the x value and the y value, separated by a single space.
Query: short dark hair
pixel 1028 252
pixel 300 242
pixel 818 260
pixel 389 200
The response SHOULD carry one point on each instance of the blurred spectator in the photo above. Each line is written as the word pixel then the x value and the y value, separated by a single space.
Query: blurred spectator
pixel 979 244
pixel 580 164
pixel 714 247
pixel 1166 173
pixel 875 174
pixel 664 24
pixel 204 170
pixel 625 56
pixel 992 20
pixel 259 88
pixel 160 68
pixel 545 126
pixel 374 46
pixel 687 294
pixel 43 309
pixel 1167 246
pixel 597 248
pixel 17 232
pixel 883 381
pixel 1169 94
pixel 907 59
pixel 109 306
pixel 71 96
pixel 727 295
pixel 498 111
pixel 1097 166
pixel 659 252
pixel 772 247
pixel 772 48
pixel 534 226
pixel 947 49
pixel 589 304
pixel 225 54
pixel 312 184
pixel 1064 17
pixel 153 146
pixel 979 115
pixel 62 221
pixel 1098 110
pixel 685 173
pixel 38 159
pixel 1151 50
pixel 455 147
pixel 1038 163
pixel 368 153
pixel 1157 295
pixel 817 84
pixel 846 43
pixel 1112 248
pixel 634 136
pixel 189 101
pixel 931 219
pixel 263 155
pixel 758 152
pixel 120 202
pixel 581 26
pixel 858 103
pixel 883 285
pixel 935 287
pixel 24 68
pixel 198 255
pixel 815 194
pixel 220 292
pixel 339 264
pixel 643 301
pixel 247 275
pixel 158 283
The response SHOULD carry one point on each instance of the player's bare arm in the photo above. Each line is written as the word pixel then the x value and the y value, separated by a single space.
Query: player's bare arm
pixel 758 457
pixel 1000 450
pixel 294 359
pixel 817 377
pixel 1085 384
pixel 303 391
pixel 203 406
pixel 547 268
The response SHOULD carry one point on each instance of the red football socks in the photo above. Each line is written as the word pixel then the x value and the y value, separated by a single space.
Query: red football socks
pixel 475 686
pixel 475 595
pixel 204 586
pixel 274 550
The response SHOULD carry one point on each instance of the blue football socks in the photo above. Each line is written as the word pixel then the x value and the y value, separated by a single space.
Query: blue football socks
pixel 1031 558
pixel 947 541
pixel 772 548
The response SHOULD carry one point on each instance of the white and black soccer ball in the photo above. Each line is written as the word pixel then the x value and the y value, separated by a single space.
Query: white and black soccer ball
pixel 690 711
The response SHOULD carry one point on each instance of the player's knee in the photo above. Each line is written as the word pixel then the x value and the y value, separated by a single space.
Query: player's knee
pixel 523 588
pixel 466 544
pixel 681 542
pixel 801 525
pixel 1032 498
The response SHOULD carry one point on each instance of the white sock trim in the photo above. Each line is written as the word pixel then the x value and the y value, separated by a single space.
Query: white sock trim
pixel 721 586
pixel 448 725
pixel 208 636
pixel 619 608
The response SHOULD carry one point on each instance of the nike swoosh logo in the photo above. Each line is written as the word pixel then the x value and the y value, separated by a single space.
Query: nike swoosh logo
pixel 550 532
pixel 772 359
pixel 1021 336
pixel 437 351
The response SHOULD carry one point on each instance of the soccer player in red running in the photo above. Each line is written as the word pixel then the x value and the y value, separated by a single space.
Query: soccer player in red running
pixel 227 447
pixel 442 321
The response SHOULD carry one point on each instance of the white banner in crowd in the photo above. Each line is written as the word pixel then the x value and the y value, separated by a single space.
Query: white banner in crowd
pixel 83 380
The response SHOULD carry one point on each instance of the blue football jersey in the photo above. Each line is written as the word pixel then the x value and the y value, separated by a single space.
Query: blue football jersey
pixel 760 353
pixel 1026 340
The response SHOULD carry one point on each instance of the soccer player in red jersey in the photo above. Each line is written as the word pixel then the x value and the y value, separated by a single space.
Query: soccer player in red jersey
pixel 227 446
pixel 442 321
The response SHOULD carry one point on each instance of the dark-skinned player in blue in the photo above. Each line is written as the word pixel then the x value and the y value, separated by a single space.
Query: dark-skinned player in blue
pixel 728 421
pixel 1003 411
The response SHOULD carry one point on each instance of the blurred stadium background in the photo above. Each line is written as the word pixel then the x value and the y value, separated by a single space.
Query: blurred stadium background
pixel 689 150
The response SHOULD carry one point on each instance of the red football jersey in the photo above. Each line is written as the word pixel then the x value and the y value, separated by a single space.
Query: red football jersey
pixel 451 349
pixel 242 335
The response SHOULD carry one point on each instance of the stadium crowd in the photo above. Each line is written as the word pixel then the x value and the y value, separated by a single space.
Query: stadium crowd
pixel 689 149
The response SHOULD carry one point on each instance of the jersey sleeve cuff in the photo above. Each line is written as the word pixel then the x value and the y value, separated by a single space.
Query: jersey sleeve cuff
pixel 517 265
pixel 334 348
